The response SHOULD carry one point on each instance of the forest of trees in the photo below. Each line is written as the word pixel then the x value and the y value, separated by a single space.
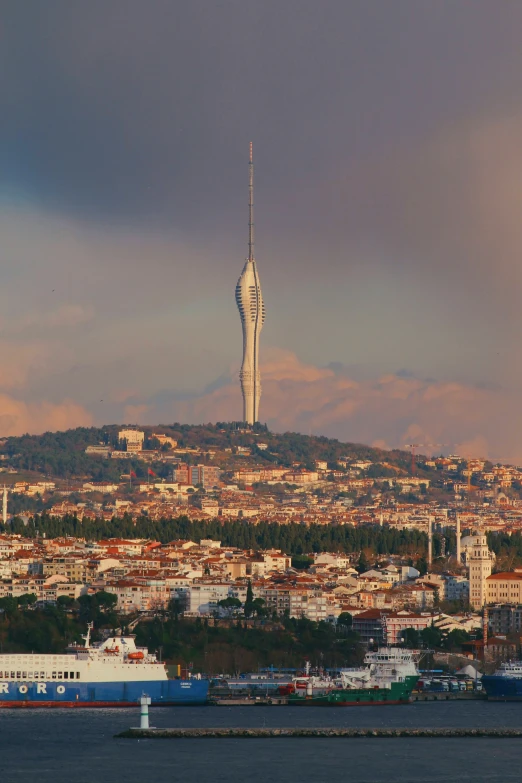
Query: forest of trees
pixel 217 649
pixel 507 548
pixel 24 628
pixel 293 539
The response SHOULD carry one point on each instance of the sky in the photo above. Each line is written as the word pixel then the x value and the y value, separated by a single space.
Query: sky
pixel 388 195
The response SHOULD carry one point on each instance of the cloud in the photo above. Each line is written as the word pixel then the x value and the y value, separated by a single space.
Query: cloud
pixel 136 414
pixel 391 410
pixel 65 316
pixel 18 417
pixel 448 203
pixel 19 359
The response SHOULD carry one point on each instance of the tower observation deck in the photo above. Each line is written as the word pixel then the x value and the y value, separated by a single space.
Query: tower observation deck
pixel 251 307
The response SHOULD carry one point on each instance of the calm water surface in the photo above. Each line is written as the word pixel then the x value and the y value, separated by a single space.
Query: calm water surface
pixel 79 746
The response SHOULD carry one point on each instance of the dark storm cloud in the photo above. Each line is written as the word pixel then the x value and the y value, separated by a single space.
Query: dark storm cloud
pixel 133 109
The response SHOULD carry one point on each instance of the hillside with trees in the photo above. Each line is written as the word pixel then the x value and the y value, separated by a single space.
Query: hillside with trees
pixel 208 645
pixel 62 454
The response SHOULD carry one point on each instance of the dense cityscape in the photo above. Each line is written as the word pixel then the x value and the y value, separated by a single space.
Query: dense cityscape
pixel 229 524
pixel 260 458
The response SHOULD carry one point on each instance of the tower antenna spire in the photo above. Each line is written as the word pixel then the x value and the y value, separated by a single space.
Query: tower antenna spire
pixel 250 206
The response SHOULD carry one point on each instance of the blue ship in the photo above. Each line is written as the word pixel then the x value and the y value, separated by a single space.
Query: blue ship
pixel 506 683
pixel 113 673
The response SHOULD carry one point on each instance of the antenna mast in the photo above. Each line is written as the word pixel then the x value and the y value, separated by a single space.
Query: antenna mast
pixel 250 207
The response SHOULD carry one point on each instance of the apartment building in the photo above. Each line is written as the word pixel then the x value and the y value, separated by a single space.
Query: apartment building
pixel 202 598
pixel 505 619
pixel 138 596
pixel 504 588
pixel 74 568
pixel 388 627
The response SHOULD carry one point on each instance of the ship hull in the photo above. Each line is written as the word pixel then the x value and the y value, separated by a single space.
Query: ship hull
pixel 397 693
pixel 502 688
pixel 102 694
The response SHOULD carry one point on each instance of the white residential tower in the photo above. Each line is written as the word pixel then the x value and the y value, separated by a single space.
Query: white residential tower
pixel 252 311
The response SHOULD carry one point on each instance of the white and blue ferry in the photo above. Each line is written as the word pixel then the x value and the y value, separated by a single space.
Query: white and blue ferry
pixel 506 683
pixel 112 673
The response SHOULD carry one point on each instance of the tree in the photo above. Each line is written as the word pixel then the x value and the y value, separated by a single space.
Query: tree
pixel 363 564
pixel 8 605
pixel 97 608
pixel 106 600
pixel 345 619
pixel 27 599
pixel 422 566
pixel 411 638
pixel 176 607
pixel 301 562
pixel 258 607
pixel 230 604
pixel 431 636
pixel 65 602
pixel 455 639
pixel 249 600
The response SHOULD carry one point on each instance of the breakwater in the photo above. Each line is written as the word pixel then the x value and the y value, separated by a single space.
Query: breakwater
pixel 322 733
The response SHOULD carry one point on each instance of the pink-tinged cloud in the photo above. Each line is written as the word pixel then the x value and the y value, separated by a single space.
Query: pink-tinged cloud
pixel 136 413
pixel 19 359
pixel 63 317
pixel 18 417
pixel 389 411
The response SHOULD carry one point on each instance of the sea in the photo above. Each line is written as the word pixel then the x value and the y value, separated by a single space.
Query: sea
pixel 79 746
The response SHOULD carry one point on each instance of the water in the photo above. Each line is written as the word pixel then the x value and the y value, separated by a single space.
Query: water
pixel 78 746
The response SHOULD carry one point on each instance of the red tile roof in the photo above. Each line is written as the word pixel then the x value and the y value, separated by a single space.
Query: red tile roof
pixel 506 575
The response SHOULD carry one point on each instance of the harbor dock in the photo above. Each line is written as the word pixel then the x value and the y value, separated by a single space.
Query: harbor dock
pixel 246 700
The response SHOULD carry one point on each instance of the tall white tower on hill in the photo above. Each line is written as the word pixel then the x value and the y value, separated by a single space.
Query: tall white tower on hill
pixel 252 311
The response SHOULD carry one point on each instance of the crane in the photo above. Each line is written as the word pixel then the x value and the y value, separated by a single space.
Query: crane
pixel 414 446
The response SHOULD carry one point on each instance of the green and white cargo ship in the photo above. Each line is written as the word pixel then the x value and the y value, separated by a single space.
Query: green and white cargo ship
pixel 388 677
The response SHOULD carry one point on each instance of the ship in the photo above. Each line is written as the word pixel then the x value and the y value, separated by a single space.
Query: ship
pixel 388 676
pixel 111 673
pixel 505 684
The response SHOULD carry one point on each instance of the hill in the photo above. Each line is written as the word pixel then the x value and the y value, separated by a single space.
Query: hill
pixel 62 454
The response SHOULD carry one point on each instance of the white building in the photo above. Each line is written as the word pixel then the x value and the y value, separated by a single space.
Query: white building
pixel 333 559
pixel 457 588
pixel 202 599
pixel 133 438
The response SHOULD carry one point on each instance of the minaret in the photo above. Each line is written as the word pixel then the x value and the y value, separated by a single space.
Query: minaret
pixel 4 506
pixel 252 311
pixel 430 543
pixel 458 540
